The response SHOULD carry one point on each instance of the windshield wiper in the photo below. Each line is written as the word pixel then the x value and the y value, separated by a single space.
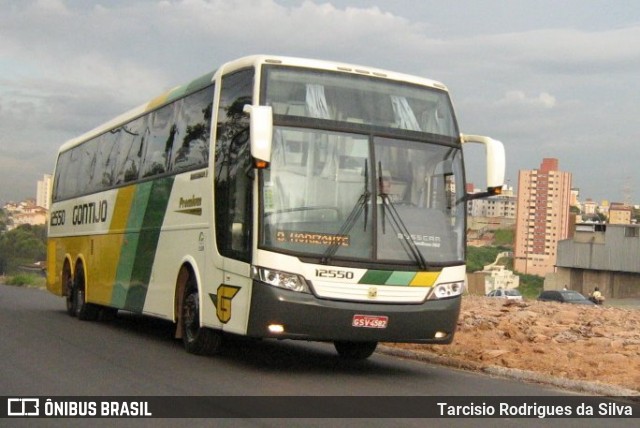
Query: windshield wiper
pixel 408 244
pixel 361 205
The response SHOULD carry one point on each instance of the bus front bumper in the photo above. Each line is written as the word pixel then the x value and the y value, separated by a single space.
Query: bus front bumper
pixel 283 314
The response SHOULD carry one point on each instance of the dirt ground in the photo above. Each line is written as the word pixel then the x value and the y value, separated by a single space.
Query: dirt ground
pixel 578 342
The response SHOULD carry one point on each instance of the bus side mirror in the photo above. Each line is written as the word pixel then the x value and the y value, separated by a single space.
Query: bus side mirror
pixel 261 128
pixel 495 163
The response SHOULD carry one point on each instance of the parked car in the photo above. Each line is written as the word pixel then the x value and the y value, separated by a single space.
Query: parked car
pixel 510 294
pixel 564 296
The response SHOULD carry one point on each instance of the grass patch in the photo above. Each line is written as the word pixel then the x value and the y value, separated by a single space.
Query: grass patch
pixel 530 285
pixel 26 280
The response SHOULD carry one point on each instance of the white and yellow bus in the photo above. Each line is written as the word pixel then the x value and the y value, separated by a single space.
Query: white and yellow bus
pixel 273 198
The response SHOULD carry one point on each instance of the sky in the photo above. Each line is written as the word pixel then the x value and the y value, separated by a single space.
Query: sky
pixel 548 78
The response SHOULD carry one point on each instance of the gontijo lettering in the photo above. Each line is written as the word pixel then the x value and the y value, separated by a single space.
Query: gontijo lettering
pixel 90 213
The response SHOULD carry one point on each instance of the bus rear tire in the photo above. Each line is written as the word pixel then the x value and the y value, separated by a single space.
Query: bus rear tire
pixel 67 283
pixel 355 350
pixel 83 310
pixel 197 340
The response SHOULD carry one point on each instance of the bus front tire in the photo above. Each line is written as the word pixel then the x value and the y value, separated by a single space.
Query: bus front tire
pixel 355 350
pixel 197 339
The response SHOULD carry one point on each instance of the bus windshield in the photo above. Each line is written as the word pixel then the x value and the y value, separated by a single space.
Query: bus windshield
pixel 359 100
pixel 356 186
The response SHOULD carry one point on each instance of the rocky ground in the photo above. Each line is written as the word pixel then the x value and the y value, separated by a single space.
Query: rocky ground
pixel 555 341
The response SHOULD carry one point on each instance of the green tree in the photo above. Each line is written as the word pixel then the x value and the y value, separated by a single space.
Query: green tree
pixel 23 245
pixel 4 221
pixel 504 238
pixel 530 285
pixel 479 257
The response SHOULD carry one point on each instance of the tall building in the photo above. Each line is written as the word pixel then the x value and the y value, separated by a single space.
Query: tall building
pixel 542 217
pixel 43 193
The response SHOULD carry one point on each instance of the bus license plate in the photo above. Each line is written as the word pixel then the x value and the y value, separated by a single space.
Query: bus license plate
pixel 370 321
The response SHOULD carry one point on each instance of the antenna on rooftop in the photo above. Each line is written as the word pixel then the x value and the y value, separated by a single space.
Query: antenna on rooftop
pixel 626 191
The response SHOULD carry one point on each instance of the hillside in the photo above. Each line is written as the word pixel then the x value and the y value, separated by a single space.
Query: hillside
pixel 576 342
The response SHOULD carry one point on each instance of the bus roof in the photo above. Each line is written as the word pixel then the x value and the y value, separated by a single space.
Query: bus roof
pixel 248 61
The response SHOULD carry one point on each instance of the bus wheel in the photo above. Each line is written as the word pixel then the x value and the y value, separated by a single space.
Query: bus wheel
pixel 355 350
pixel 83 310
pixel 197 339
pixel 68 290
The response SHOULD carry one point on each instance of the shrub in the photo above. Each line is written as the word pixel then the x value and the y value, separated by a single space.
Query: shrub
pixel 26 279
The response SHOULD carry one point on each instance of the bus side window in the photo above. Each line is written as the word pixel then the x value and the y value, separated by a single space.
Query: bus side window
pixel 191 147
pixel 130 145
pixel 159 142
pixel 111 140
pixel 61 182
pixel 86 157
pixel 102 178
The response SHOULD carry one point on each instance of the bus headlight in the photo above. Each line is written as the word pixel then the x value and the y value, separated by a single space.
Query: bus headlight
pixel 280 279
pixel 449 289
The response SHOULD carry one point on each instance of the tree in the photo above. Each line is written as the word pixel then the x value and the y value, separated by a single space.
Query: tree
pixel 4 221
pixel 479 257
pixel 504 238
pixel 23 245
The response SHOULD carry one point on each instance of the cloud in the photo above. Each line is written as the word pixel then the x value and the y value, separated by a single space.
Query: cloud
pixel 66 66
pixel 517 98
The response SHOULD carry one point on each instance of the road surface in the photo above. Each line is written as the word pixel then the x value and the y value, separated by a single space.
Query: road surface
pixel 45 352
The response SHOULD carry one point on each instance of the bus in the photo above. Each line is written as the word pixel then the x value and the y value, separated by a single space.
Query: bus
pixel 275 197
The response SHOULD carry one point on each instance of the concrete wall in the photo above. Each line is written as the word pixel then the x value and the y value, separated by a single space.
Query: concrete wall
pixel 617 285
pixel 475 283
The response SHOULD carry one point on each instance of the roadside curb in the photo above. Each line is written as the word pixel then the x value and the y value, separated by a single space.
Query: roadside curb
pixel 580 386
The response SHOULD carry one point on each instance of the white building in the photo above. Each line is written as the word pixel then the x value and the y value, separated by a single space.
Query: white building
pixel 498 277
pixel 43 193
pixel 502 206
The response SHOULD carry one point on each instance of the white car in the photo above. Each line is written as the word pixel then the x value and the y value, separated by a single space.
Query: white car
pixel 510 294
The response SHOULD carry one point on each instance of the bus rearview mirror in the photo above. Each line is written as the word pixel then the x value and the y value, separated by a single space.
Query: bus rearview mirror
pixel 495 157
pixel 261 126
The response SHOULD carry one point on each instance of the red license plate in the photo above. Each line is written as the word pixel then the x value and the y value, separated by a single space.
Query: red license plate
pixel 370 321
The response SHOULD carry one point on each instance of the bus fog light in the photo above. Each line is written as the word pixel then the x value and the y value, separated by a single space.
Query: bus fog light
pixel 440 335
pixel 449 289
pixel 276 328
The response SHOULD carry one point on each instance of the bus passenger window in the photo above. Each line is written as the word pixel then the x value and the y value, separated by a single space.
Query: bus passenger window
pixel 131 142
pixel 161 135
pixel 191 147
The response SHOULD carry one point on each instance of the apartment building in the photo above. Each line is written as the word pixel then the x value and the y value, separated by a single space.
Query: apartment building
pixel 542 217
pixel 43 191
pixel 620 213
pixel 496 206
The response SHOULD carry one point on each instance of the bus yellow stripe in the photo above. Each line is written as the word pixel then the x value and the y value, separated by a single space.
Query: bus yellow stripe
pixel 122 209
pixel 158 101
pixel 424 279
pixel 107 249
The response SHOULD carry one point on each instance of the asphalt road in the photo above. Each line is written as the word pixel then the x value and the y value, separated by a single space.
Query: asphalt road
pixel 45 352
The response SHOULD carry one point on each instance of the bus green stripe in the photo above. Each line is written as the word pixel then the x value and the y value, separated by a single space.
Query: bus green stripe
pixel 149 206
pixel 130 245
pixel 375 277
pixel 193 86
pixel 401 278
